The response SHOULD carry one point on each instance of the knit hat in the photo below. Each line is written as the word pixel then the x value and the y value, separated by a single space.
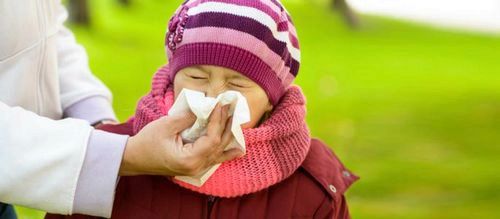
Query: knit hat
pixel 254 37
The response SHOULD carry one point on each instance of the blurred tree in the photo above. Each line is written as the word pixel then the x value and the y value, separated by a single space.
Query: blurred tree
pixel 124 2
pixel 349 15
pixel 79 12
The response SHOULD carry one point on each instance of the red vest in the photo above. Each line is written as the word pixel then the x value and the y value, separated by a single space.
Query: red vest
pixel 315 190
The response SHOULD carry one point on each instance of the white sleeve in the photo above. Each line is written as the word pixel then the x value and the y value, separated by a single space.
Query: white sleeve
pixel 40 159
pixel 76 80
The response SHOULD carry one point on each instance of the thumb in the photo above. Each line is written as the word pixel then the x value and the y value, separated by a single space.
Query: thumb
pixel 177 123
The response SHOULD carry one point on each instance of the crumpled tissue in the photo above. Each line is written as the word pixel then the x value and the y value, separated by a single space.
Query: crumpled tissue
pixel 202 107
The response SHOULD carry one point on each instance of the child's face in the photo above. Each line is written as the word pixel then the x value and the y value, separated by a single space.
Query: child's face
pixel 214 80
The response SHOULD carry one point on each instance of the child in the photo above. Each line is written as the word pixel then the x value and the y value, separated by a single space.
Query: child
pixel 249 46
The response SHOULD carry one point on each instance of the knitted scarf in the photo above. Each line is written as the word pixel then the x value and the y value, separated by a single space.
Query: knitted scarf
pixel 275 149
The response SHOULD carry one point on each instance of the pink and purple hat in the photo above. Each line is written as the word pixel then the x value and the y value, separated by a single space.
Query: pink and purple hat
pixel 254 37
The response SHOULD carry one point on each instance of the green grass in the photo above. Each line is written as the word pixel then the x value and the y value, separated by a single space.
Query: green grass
pixel 413 110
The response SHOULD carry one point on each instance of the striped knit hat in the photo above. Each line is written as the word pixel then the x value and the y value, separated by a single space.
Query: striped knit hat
pixel 254 37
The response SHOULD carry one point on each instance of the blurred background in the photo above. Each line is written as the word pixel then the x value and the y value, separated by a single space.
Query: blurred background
pixel 406 92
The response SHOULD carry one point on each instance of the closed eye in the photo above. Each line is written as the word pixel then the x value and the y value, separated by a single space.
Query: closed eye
pixel 238 85
pixel 197 77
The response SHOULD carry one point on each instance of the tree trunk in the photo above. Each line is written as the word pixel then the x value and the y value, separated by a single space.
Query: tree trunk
pixel 124 2
pixel 79 12
pixel 349 15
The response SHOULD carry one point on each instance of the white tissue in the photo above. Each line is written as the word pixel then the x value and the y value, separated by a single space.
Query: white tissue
pixel 202 107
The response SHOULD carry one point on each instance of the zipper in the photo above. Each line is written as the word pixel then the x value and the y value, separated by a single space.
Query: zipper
pixel 210 204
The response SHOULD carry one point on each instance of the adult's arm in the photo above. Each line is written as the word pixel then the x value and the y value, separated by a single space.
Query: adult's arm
pixel 83 96
pixel 41 159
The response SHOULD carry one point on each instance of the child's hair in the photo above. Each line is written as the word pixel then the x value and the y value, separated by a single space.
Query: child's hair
pixel 254 37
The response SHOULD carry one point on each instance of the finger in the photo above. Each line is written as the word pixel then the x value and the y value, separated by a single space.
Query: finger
pixel 224 115
pixel 215 126
pixel 210 144
pixel 227 136
pixel 178 140
pixel 229 155
pixel 177 123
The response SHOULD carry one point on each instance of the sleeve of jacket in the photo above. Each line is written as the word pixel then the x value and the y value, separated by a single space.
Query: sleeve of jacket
pixel 329 210
pixel 40 159
pixel 77 83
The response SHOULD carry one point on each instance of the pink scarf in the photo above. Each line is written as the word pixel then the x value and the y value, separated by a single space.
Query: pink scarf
pixel 275 149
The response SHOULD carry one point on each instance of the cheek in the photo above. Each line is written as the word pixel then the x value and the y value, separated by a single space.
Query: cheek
pixel 180 82
pixel 258 107
pixel 178 85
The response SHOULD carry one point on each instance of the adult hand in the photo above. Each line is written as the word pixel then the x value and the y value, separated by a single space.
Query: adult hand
pixel 158 148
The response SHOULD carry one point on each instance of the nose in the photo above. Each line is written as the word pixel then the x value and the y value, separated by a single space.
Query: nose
pixel 216 88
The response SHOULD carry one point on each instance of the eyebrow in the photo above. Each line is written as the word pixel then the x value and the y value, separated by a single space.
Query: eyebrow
pixel 238 76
